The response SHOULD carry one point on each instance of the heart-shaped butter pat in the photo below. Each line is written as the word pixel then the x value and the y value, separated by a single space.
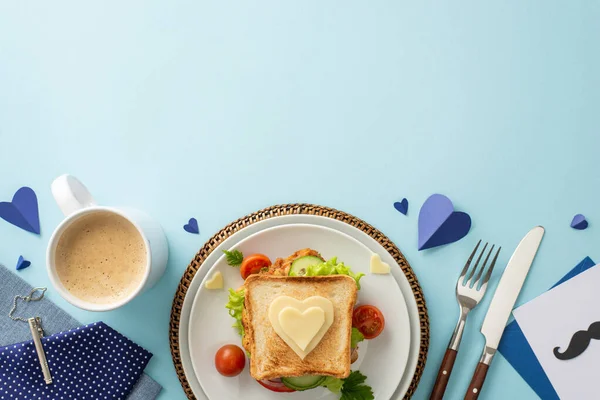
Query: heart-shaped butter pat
pixel 302 335
pixel 215 282
pixel 378 266
pixel 301 327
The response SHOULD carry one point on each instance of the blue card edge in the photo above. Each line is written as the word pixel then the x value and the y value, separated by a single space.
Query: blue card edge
pixel 527 364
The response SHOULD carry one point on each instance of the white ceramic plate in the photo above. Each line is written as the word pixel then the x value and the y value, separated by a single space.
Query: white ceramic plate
pixel 382 360
pixel 361 236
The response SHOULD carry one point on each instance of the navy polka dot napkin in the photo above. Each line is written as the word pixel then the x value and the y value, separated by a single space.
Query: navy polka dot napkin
pixel 90 362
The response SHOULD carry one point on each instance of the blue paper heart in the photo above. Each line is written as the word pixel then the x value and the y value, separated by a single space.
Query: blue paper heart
pixel 439 224
pixel 402 206
pixel 192 226
pixel 22 263
pixel 22 211
pixel 579 222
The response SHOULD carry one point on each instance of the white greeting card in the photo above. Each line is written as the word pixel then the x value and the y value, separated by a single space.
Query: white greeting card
pixel 562 327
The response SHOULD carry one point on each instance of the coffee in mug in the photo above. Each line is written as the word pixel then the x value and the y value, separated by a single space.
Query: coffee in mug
pixel 101 258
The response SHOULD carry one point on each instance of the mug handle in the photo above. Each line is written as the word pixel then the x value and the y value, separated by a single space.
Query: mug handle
pixel 71 195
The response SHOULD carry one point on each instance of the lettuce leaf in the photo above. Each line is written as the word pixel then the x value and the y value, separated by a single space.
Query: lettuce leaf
pixel 333 384
pixel 356 338
pixel 332 267
pixel 235 307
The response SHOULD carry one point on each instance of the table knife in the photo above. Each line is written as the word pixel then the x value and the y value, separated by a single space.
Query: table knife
pixel 502 304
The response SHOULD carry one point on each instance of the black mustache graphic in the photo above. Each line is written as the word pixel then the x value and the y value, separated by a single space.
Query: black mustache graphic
pixel 579 342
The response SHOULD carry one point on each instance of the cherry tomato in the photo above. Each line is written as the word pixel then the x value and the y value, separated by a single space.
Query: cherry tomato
pixel 253 264
pixel 368 320
pixel 230 360
pixel 275 385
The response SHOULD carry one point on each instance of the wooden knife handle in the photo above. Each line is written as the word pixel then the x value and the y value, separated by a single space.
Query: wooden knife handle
pixel 477 381
pixel 443 375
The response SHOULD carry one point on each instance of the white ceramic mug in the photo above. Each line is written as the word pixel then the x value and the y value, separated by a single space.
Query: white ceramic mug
pixel 75 201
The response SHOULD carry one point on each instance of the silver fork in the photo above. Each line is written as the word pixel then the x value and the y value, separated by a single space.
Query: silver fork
pixel 468 295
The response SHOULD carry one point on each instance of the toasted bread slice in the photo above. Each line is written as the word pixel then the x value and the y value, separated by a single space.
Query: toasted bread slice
pixel 270 356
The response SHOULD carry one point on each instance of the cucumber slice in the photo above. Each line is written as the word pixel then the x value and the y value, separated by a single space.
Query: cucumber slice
pixel 303 382
pixel 298 267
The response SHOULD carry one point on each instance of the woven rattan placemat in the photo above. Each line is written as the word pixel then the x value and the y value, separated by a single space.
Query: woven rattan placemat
pixel 291 209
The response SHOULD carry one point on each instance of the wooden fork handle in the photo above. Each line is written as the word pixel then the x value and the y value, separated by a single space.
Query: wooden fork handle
pixel 443 375
pixel 477 381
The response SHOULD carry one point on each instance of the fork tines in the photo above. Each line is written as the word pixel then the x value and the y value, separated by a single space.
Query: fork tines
pixel 477 272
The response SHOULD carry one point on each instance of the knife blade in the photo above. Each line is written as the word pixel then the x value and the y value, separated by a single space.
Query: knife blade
pixel 510 286
pixel 502 303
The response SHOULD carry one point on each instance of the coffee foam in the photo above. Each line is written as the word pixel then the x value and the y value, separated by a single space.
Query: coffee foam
pixel 101 258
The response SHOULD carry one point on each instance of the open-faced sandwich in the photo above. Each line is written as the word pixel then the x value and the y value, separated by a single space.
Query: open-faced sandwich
pixel 299 324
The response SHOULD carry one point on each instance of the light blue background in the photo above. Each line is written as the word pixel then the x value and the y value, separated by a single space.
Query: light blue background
pixel 215 109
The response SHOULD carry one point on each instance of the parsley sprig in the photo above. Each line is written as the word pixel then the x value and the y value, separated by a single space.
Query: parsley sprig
pixel 234 257
pixel 351 388
pixel 354 388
